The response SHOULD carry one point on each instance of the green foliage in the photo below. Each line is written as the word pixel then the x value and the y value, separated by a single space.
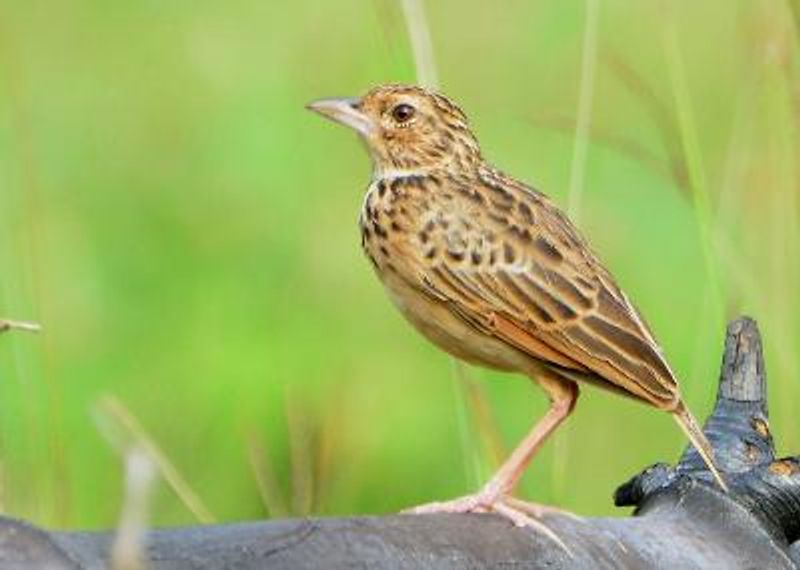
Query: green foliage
pixel 185 232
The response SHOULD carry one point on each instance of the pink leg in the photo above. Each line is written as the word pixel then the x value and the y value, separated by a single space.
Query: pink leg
pixel 563 395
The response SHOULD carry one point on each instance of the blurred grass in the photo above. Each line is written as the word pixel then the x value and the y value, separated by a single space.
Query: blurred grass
pixel 185 231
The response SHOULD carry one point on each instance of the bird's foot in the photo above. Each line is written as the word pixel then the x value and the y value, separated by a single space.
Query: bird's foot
pixel 520 513
pixel 538 510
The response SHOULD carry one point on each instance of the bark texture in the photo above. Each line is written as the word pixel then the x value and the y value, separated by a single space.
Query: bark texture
pixel 681 519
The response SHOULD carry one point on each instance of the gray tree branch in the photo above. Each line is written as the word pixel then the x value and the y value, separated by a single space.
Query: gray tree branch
pixel 681 519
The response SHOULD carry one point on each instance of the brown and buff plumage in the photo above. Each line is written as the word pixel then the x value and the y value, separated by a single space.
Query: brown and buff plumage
pixel 490 270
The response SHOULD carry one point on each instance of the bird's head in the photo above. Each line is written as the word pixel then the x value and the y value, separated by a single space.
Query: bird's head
pixel 406 128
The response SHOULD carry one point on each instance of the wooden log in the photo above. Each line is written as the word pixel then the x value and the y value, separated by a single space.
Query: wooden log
pixel 682 520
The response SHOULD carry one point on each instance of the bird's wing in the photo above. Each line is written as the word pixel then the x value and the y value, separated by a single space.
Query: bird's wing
pixel 539 287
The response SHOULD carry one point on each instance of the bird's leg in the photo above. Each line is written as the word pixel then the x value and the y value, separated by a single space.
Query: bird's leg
pixel 563 395
pixel 495 495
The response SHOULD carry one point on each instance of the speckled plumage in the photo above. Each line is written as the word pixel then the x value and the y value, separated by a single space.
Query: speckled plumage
pixel 491 248
pixel 490 270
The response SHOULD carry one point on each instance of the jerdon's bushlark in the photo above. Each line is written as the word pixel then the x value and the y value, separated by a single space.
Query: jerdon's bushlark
pixel 490 270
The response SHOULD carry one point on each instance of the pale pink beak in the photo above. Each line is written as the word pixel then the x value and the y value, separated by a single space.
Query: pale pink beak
pixel 343 110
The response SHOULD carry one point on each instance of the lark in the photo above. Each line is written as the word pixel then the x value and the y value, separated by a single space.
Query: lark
pixel 491 271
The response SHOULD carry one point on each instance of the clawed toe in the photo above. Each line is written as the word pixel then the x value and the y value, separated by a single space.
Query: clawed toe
pixel 520 513
pixel 467 504
pixel 537 510
pixel 525 520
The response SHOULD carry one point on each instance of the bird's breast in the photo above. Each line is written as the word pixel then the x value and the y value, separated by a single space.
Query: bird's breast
pixel 412 223
pixel 393 209
pixel 408 228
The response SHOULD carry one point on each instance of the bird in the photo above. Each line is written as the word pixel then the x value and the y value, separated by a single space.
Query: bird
pixel 490 270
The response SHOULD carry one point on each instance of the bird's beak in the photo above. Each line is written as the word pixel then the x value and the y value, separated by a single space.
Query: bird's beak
pixel 343 110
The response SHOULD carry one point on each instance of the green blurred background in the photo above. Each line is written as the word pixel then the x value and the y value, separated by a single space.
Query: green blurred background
pixel 185 232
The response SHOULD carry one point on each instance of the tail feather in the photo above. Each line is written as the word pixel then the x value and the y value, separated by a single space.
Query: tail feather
pixel 695 434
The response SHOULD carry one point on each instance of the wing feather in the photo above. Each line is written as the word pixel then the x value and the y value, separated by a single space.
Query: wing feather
pixel 541 289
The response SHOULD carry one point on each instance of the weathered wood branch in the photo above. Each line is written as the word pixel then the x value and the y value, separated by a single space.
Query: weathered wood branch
pixel 681 519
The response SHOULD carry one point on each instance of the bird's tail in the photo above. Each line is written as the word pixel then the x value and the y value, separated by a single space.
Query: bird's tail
pixel 690 427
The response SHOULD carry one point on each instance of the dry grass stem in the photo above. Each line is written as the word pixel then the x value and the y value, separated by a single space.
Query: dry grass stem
pixel 300 446
pixel 7 325
pixel 268 487
pixel 128 551
pixel 583 125
pixel 124 431
pixel 421 44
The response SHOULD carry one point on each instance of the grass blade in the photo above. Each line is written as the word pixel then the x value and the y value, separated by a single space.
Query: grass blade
pixel 583 125
pixel 124 431
pixel 421 44
pixel 128 551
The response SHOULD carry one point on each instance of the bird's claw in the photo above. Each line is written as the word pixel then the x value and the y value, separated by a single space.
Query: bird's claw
pixel 520 513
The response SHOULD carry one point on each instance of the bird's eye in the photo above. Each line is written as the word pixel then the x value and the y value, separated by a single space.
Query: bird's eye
pixel 403 112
